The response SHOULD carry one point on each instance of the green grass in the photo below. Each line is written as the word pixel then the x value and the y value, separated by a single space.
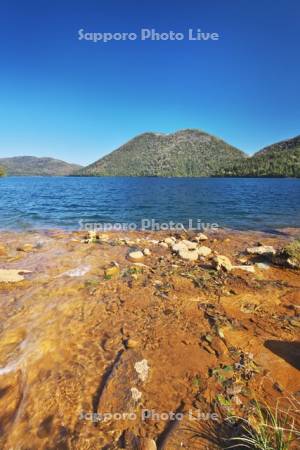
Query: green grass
pixel 268 429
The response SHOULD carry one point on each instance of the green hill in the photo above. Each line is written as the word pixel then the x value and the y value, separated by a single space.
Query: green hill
pixel 277 160
pixel 33 166
pixel 2 171
pixel 190 153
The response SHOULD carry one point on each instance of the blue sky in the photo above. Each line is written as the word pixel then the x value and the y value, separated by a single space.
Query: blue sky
pixel 78 100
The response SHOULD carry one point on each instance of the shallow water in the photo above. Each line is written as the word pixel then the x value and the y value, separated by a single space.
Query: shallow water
pixel 241 203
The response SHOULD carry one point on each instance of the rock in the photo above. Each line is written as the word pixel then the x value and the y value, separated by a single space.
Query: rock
pixel 189 244
pixel 147 444
pixel 77 272
pixel 142 369
pixel 163 245
pixel 201 237
pixel 188 255
pixel 262 266
pixel 179 246
pixel 147 252
pixel 221 262
pixel 12 275
pixel 261 250
pixel 136 256
pixel 219 346
pixel 136 394
pixel 246 268
pixel 170 241
pixel 204 251
pixel 295 323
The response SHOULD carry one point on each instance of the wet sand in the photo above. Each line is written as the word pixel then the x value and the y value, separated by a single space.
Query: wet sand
pixel 88 333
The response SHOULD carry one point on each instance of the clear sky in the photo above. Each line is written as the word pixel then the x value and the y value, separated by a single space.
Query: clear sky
pixel 78 100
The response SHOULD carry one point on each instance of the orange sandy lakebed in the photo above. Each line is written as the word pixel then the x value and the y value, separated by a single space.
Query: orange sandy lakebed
pixel 102 350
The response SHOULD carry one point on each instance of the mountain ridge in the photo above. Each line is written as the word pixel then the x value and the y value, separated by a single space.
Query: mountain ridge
pixel 188 152
pixel 37 166
pixel 281 159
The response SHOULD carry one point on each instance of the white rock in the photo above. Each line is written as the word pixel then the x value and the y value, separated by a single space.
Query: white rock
pixel 12 275
pixel 261 250
pixel 246 268
pixel 222 262
pixel 204 251
pixel 189 244
pixel 136 256
pixel 147 252
pixel 188 255
pixel 170 241
pixel 142 369
pixel 179 246
pixel 201 237
pixel 263 266
pixel 136 394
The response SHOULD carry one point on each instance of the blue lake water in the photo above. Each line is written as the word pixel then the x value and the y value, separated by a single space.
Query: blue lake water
pixel 241 203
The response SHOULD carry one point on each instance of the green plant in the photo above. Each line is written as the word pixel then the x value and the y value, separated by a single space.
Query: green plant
pixel 268 429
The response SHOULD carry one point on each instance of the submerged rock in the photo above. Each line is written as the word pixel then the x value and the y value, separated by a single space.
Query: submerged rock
pixel 12 275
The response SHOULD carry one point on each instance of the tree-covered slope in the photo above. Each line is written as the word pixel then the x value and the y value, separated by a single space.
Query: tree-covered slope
pixel 184 153
pixel 277 160
pixel 33 166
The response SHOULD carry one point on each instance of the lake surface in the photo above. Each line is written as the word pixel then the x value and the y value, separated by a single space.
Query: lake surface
pixel 241 203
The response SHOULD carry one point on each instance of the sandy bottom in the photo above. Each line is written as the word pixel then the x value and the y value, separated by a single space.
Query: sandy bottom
pixel 80 344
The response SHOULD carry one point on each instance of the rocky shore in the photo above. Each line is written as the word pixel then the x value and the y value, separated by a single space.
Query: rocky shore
pixel 146 340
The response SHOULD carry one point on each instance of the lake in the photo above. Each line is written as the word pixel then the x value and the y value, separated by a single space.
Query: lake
pixel 240 203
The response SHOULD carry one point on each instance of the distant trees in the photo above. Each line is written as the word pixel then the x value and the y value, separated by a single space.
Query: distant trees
pixel 272 163
pixel 2 172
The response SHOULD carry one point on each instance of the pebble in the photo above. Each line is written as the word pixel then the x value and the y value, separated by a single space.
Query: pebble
pixel 147 444
pixel 147 252
pixel 136 256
